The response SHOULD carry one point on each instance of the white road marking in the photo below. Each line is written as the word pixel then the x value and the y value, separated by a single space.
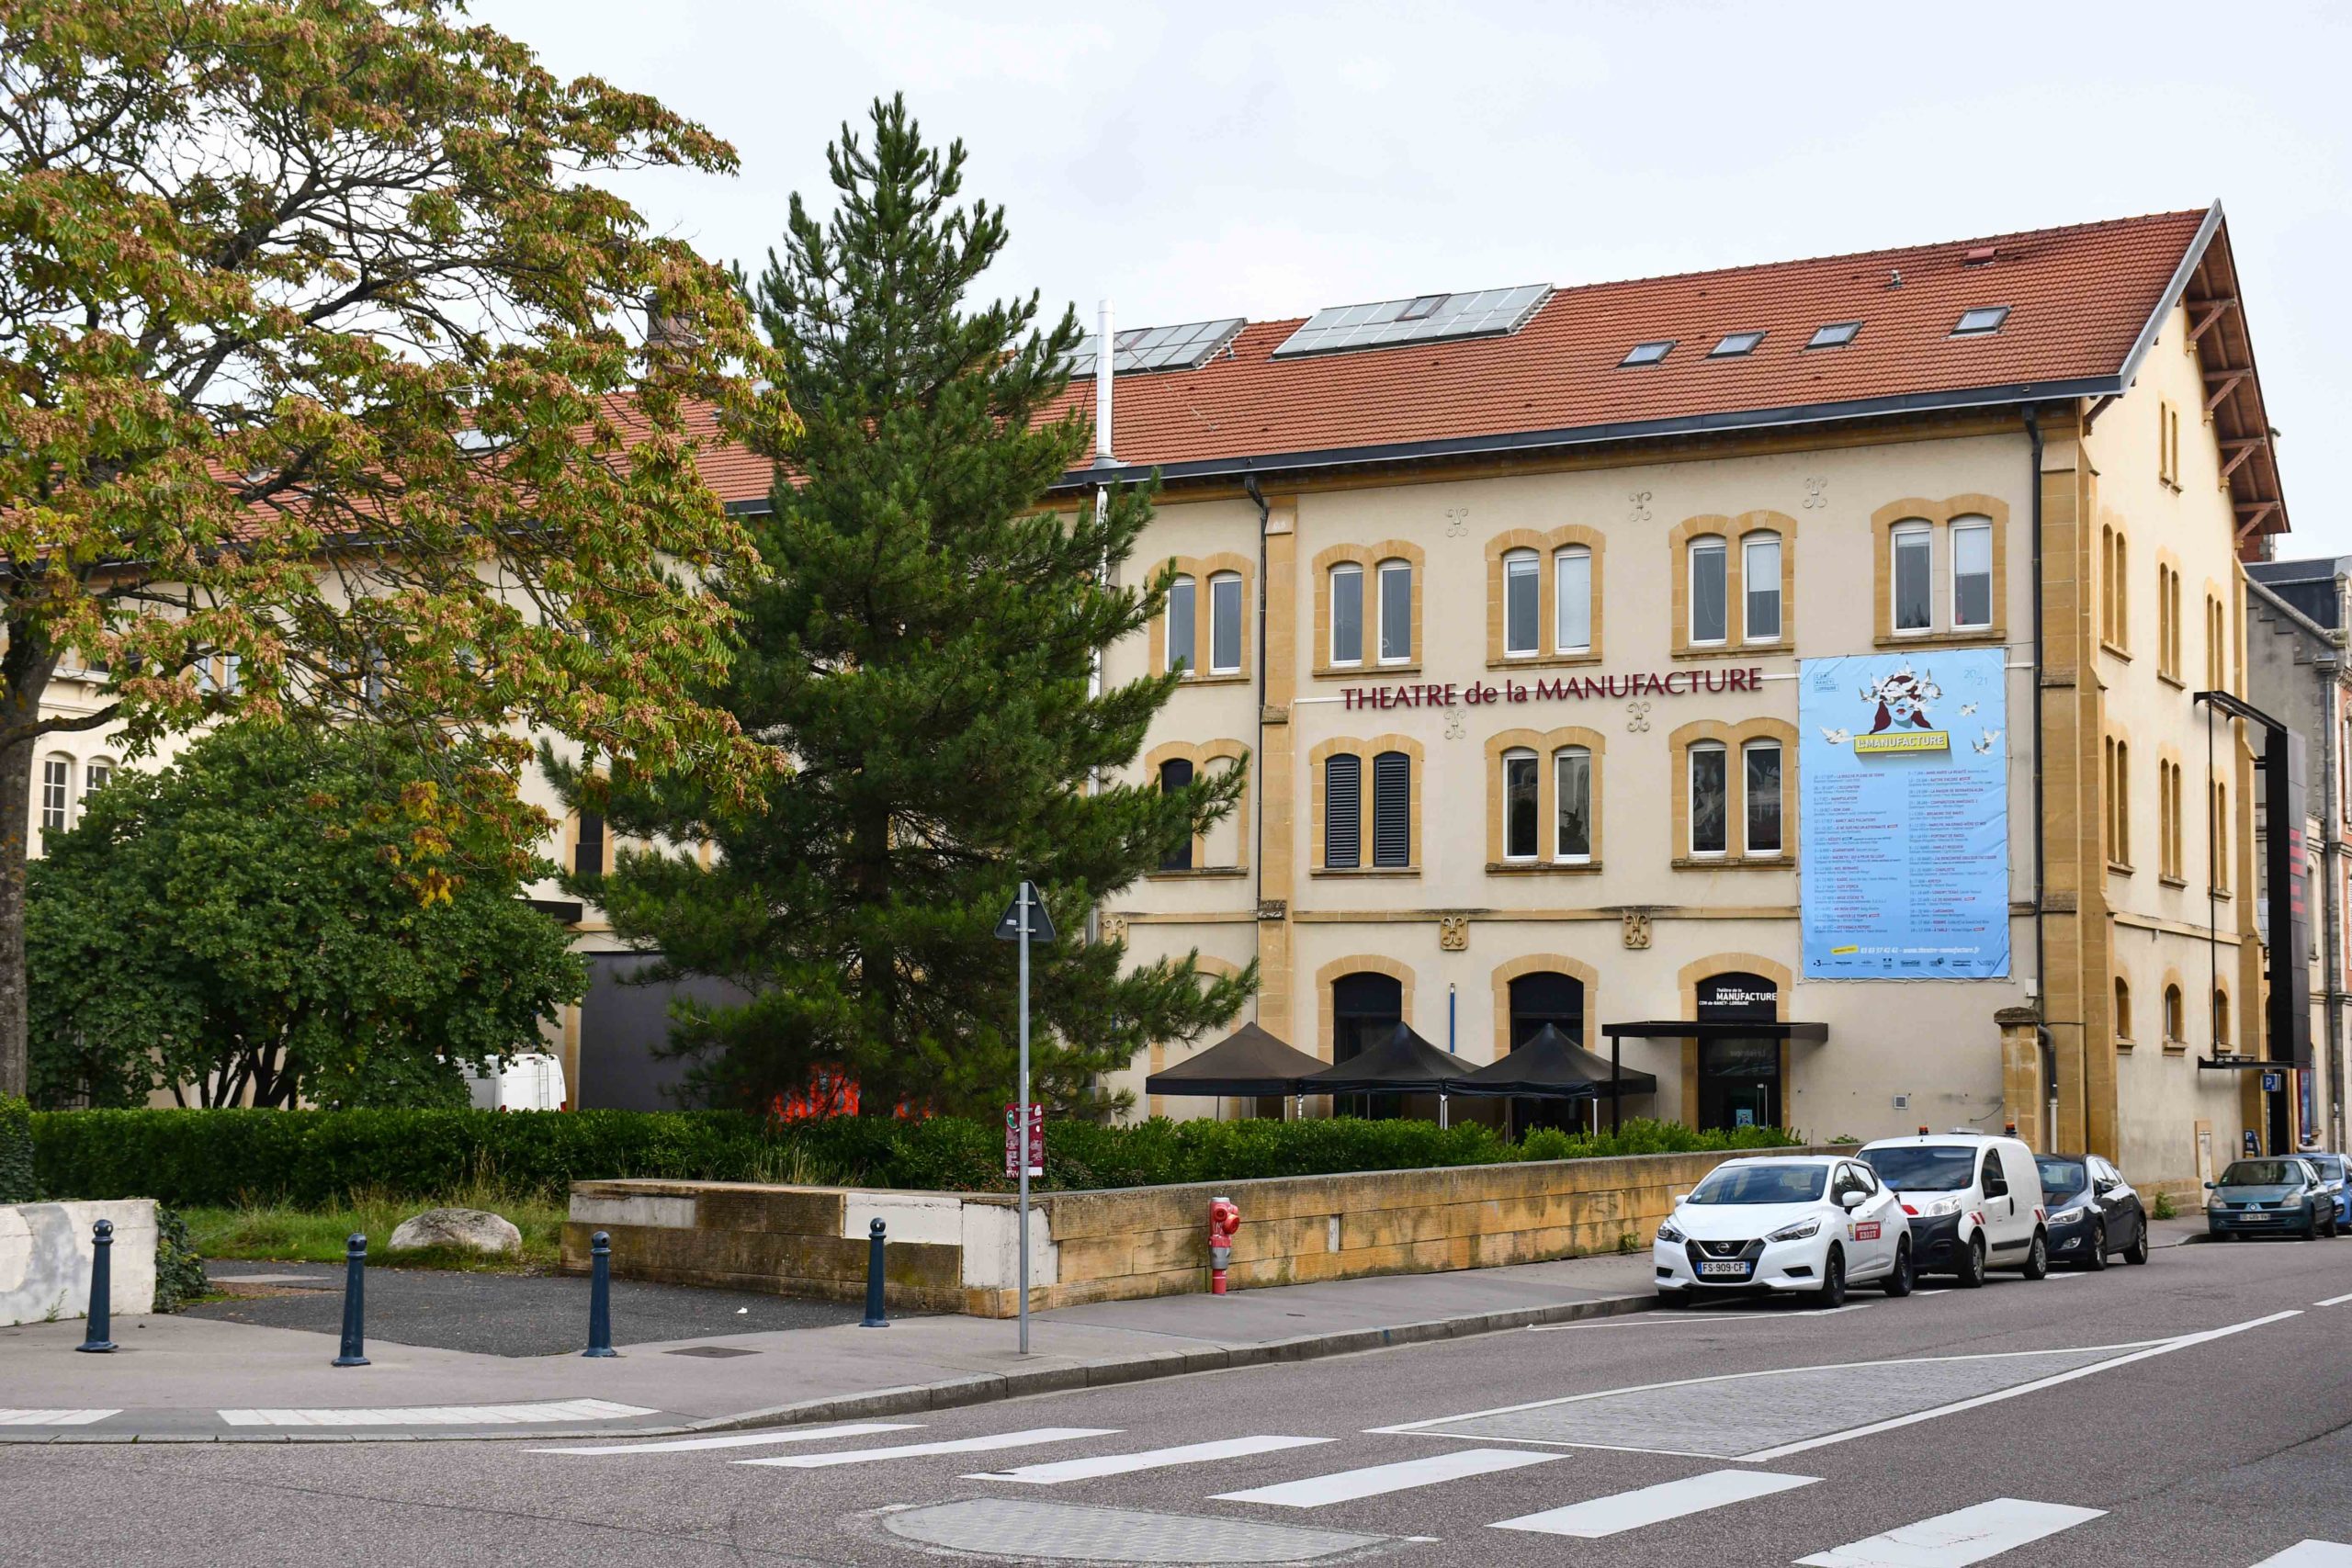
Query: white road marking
pixel 1675 1320
pixel 1956 1539
pixel 440 1414
pixel 953 1446
pixel 2331 1302
pixel 742 1439
pixel 2310 1554
pixel 1373 1481
pixel 2058 1275
pixel 1599 1516
pixel 54 1417
pixel 2163 1347
pixel 1149 1459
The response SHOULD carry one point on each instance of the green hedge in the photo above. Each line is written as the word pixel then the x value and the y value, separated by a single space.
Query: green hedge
pixel 211 1158
pixel 18 1184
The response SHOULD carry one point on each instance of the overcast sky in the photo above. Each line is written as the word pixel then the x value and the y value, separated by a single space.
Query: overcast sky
pixel 1204 160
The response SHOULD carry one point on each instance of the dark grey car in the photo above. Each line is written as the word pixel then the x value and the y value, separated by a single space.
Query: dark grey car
pixel 2094 1212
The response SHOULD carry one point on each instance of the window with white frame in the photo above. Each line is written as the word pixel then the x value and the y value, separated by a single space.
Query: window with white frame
pixel 1572 797
pixel 1710 591
pixel 1522 604
pixel 1520 828
pixel 1913 545
pixel 1972 574
pixel 1710 799
pixel 1225 623
pixel 1759 569
pixel 95 777
pixel 1180 624
pixel 1347 614
pixel 1761 791
pixel 1572 586
pixel 56 793
pixel 1396 612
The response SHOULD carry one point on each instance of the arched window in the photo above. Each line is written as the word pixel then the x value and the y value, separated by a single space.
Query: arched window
pixel 1760 576
pixel 1365 1006
pixel 1392 806
pixel 1396 612
pixel 1572 582
pixel 1225 623
pixel 95 775
pixel 1537 1000
pixel 1760 762
pixel 2221 1020
pixel 1347 614
pixel 1175 774
pixel 1520 829
pixel 2122 1009
pixel 1343 811
pixel 1180 624
pixel 1710 590
pixel 56 793
pixel 1710 799
pixel 1522 604
pixel 1572 781
pixel 1914 598
pixel 2176 1026
pixel 1972 573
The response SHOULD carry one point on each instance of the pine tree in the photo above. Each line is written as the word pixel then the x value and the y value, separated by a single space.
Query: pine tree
pixel 921 649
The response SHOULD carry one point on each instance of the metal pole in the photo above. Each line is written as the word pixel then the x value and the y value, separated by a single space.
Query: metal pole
pixel 1021 1105
pixel 1616 1086
pixel 354 1303
pixel 101 1315
pixel 875 1317
pixel 600 1296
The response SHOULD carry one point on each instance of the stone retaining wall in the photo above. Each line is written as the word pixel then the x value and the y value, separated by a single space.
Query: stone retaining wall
pixel 958 1252
pixel 45 1251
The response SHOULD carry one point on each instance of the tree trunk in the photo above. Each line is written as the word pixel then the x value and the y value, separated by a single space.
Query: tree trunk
pixel 15 828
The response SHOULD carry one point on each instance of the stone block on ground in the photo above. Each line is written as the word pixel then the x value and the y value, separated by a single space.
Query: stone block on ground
pixel 473 1230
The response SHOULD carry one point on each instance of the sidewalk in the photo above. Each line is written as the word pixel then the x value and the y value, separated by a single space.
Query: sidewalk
pixel 195 1379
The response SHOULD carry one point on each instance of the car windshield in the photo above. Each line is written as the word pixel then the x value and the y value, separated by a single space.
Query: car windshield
pixel 2262 1173
pixel 2060 1177
pixel 1924 1167
pixel 1761 1184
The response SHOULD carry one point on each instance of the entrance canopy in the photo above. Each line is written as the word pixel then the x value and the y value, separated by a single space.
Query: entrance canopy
pixel 1550 1065
pixel 1246 1063
pixel 1711 1028
pixel 1399 1061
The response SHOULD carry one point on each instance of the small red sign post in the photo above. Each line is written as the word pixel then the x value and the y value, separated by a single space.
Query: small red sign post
pixel 1037 1140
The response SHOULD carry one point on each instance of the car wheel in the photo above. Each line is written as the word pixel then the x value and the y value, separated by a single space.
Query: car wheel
pixel 1899 1282
pixel 2097 1258
pixel 2311 1225
pixel 1833 1281
pixel 2037 1258
pixel 1971 1263
pixel 2330 1231
pixel 2138 1251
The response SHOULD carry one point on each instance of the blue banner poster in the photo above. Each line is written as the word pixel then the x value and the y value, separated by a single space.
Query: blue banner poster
pixel 1906 837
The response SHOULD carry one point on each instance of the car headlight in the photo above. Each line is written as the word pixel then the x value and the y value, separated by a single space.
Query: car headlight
pixel 1941 1209
pixel 1797 1232
pixel 2066 1216
pixel 1667 1233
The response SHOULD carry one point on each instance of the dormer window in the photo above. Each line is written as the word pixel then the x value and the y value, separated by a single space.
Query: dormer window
pixel 1981 322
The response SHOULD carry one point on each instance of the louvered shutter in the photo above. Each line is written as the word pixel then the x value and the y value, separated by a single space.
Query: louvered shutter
pixel 1392 787
pixel 1343 812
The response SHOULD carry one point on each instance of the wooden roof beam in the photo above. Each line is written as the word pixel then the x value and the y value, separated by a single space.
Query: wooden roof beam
pixel 2255 514
pixel 2239 451
pixel 2223 383
pixel 2204 313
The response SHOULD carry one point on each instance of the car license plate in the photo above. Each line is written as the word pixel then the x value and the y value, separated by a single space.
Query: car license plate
pixel 1737 1271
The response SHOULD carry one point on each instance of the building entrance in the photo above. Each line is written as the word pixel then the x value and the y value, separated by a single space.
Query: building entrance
pixel 1740 1075
pixel 1365 1008
pixel 1535 1000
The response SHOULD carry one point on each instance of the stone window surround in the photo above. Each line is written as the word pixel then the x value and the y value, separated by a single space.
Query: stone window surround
pixel 1731 531
pixel 2114 588
pixel 1333 973
pixel 1365 750
pixel 1369 557
pixel 2116 782
pixel 1547 548
pixel 1201 756
pixel 1541 964
pixel 1545 744
pixel 1200 570
pixel 2175 1013
pixel 1733 737
pixel 1706 968
pixel 2119 1021
pixel 2168 612
pixel 2172 800
pixel 1939 515
pixel 1206 963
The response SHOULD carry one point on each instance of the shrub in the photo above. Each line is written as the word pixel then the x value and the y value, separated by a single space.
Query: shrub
pixel 311 1158
pixel 16 1183
pixel 179 1272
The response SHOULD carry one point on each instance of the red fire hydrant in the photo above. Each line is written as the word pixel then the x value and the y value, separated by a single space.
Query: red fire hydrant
pixel 1224 1218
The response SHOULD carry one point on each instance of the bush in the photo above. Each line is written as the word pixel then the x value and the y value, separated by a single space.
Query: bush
pixel 179 1272
pixel 312 1158
pixel 16 1183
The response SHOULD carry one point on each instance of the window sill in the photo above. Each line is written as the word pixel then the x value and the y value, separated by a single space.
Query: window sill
pixel 2176 1047
pixel 1222 678
pixel 1196 874
pixel 2171 881
pixel 1726 650
pixel 1542 868
pixel 2116 650
pixel 1543 661
pixel 1365 871
pixel 1735 863
pixel 2221 893
pixel 2118 868
pixel 1971 637
pixel 2125 1044
pixel 1364 672
pixel 2170 679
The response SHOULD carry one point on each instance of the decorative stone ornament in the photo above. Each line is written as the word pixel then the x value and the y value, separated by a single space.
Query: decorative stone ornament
pixel 1453 933
pixel 1637 929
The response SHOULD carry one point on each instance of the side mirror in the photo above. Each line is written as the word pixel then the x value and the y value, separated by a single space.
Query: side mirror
pixel 2210 1185
pixel 1851 1198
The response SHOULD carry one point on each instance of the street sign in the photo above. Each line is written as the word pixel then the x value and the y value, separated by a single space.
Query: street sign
pixel 2274 1081
pixel 1041 924
pixel 1037 1140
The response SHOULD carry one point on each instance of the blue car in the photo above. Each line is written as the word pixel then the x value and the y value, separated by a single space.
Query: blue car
pixel 2281 1196
pixel 2337 1169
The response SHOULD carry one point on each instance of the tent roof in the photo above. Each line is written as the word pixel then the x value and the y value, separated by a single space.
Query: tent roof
pixel 1402 1062
pixel 1550 1065
pixel 1246 1061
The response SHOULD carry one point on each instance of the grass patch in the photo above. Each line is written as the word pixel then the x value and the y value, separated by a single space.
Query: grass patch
pixel 283 1232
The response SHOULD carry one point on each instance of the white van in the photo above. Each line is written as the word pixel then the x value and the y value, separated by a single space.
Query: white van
pixel 1974 1200
pixel 531 1081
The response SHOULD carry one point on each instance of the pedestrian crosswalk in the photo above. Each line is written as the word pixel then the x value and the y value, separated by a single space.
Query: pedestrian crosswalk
pixel 1551 1500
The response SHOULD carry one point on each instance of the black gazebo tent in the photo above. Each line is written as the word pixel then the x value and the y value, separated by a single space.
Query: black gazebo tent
pixel 1246 1063
pixel 1550 1065
pixel 1400 1063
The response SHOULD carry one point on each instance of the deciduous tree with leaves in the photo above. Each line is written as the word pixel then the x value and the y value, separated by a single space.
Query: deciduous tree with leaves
pixel 922 650
pixel 318 352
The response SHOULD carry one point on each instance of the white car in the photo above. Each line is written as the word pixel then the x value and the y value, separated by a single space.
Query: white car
pixel 1810 1224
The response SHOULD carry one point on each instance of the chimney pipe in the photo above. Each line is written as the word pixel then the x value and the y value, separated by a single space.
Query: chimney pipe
pixel 1106 354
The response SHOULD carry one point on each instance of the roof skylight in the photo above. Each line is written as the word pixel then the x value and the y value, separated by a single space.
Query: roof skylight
pixel 1648 353
pixel 1185 347
pixel 1425 317
pixel 1982 320
pixel 1735 343
pixel 1837 334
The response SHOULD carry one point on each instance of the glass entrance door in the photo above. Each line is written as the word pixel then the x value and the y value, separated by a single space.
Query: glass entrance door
pixel 1739 1083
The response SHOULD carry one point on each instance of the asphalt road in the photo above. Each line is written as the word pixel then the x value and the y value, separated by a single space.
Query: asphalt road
pixel 2195 1412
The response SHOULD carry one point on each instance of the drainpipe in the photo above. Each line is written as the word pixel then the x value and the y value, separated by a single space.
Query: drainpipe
pixel 2041 879
pixel 2331 675
pixel 1257 774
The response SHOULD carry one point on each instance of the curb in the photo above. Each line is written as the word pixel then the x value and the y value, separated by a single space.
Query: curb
pixel 950 1393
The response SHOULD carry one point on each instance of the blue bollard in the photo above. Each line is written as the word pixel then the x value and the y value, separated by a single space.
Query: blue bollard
pixel 101 1322
pixel 354 1303
pixel 875 1316
pixel 600 1296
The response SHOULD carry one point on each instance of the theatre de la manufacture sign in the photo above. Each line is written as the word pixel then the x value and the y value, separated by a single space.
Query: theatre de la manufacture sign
pixel 1561 688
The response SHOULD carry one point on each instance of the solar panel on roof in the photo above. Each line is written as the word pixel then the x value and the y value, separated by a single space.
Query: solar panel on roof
pixel 1425 317
pixel 1185 347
